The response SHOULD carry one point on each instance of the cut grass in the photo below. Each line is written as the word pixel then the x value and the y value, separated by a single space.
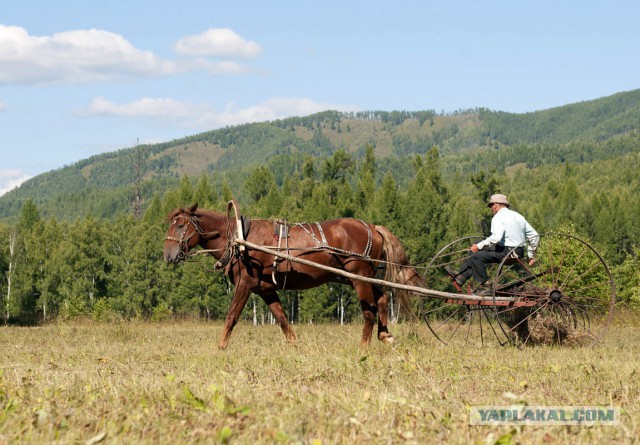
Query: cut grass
pixel 167 383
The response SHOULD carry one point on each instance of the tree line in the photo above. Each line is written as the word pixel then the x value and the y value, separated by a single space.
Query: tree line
pixel 468 140
pixel 111 269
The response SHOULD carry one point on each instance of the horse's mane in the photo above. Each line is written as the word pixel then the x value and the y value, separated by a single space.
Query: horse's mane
pixel 204 212
pixel 197 213
pixel 172 214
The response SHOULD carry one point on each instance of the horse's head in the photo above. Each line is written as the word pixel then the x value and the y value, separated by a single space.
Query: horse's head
pixel 184 234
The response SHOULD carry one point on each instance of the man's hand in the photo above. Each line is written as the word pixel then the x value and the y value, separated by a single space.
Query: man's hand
pixel 532 261
pixel 474 248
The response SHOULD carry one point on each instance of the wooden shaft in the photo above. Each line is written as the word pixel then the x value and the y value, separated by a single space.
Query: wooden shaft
pixel 352 276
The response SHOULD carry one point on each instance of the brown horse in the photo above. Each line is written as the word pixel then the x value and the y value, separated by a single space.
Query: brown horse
pixel 347 244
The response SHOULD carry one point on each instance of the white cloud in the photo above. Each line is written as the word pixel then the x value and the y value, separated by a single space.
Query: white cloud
pixel 221 42
pixel 3 106
pixel 94 55
pixel 145 107
pixel 203 116
pixel 217 68
pixel 272 109
pixel 10 179
pixel 91 55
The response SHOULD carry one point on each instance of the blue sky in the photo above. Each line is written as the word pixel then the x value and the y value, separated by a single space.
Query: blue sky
pixel 83 77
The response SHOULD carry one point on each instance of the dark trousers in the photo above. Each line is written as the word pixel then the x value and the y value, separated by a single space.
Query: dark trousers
pixel 476 263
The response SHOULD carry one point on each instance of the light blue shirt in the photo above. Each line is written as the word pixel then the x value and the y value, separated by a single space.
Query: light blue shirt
pixel 510 229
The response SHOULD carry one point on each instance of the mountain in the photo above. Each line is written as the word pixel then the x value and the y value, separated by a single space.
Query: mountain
pixel 468 141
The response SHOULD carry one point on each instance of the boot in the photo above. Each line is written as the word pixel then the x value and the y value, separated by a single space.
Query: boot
pixel 455 275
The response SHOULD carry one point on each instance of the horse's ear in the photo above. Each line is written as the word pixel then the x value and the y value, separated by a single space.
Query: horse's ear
pixel 193 208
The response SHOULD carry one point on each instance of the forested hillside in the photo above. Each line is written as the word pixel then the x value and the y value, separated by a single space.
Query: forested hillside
pixel 468 141
pixel 72 241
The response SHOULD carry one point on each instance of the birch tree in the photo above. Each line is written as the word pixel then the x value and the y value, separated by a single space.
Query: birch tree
pixel 10 272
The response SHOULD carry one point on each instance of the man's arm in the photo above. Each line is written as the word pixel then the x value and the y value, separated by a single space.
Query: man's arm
pixel 533 239
pixel 497 232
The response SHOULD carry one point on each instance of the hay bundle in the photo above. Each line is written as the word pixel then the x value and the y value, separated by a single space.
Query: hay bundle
pixel 547 327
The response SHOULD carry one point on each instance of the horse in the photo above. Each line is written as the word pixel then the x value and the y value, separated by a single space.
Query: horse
pixel 347 244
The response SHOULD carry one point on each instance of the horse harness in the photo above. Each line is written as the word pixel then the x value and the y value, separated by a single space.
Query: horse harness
pixel 232 249
pixel 281 231
pixel 322 242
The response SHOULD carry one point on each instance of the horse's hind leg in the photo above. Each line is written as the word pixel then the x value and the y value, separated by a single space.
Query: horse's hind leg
pixel 273 301
pixel 369 309
pixel 383 315
pixel 240 297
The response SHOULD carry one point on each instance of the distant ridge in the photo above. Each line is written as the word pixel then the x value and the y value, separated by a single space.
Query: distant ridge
pixel 102 184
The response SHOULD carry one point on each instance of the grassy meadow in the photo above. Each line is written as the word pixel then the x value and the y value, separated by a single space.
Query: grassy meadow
pixel 167 383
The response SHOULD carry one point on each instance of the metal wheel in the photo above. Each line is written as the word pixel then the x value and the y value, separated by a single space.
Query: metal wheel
pixel 456 320
pixel 565 298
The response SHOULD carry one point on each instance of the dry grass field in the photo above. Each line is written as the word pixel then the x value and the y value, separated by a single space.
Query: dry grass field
pixel 167 383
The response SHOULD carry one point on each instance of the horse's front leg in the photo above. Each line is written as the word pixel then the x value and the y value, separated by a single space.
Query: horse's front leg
pixel 240 297
pixel 275 305
pixel 383 316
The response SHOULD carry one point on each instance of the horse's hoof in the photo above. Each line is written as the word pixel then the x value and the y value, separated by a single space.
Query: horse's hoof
pixel 387 338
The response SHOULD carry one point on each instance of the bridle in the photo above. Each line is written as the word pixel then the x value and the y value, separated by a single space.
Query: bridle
pixel 183 241
pixel 230 251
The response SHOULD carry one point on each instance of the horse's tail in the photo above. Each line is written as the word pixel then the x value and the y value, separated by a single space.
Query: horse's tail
pixel 399 271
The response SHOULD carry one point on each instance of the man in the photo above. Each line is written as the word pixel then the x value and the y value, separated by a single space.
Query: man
pixel 509 230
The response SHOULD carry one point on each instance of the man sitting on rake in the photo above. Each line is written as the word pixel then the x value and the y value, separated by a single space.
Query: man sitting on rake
pixel 509 230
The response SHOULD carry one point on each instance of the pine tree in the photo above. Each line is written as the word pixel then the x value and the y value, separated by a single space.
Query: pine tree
pixel 29 216
pixel 385 210
pixel 365 189
pixel 226 192
pixel 140 282
pixel 204 194
pixel 185 192
pixel 271 205
pixel 423 222
pixel 154 213
pixel 258 183
pixel 84 269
